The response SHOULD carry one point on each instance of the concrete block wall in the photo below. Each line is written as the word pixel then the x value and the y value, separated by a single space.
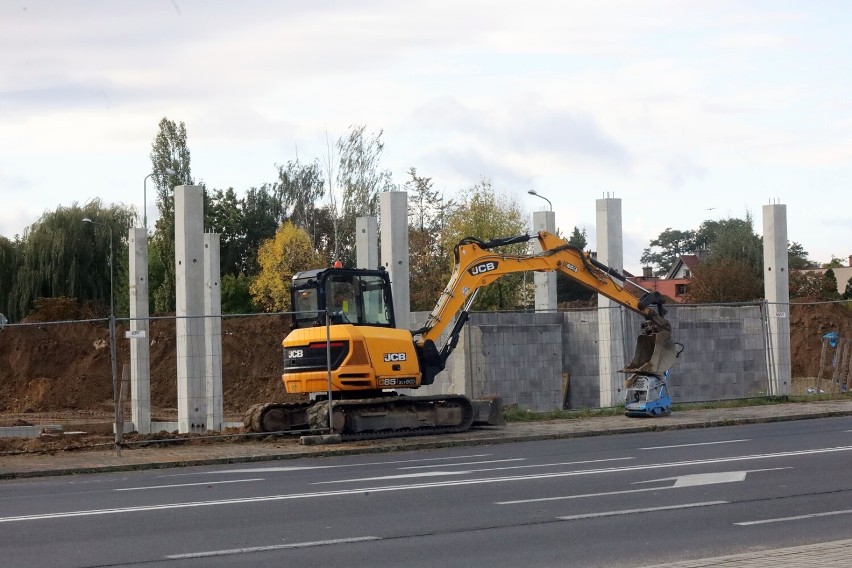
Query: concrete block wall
pixel 724 353
pixel 523 356
pixel 581 359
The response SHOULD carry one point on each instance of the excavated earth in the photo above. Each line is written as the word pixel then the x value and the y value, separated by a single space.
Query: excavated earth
pixel 59 373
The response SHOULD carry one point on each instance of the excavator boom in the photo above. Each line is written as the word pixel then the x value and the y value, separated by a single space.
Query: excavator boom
pixel 478 265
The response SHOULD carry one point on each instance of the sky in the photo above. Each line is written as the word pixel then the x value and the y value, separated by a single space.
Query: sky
pixel 684 110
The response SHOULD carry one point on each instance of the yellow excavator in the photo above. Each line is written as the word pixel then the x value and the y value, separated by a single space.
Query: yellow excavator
pixel 344 342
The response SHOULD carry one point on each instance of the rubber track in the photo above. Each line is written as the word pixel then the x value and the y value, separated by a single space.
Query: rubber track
pixel 467 418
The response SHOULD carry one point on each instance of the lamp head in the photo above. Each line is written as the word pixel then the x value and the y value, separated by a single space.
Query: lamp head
pixel 532 192
pixel 86 220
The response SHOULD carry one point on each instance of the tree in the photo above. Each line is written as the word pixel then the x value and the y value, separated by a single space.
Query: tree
pixel 360 181
pixel 289 252
pixel 168 151
pixel 260 210
pixel 723 279
pixel 223 214
pixel 429 263
pixel 671 244
pixel 9 261
pixel 236 295
pixel 568 290
pixel 735 240
pixel 813 285
pixel 485 215
pixel 333 209
pixel 62 256
pixel 298 189
pixel 797 257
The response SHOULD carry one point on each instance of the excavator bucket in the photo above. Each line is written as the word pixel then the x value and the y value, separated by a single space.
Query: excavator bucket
pixel 488 411
pixel 655 354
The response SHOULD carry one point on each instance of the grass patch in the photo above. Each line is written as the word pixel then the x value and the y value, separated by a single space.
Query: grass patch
pixel 515 414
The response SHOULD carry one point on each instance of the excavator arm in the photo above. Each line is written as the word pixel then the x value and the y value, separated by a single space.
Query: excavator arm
pixel 478 265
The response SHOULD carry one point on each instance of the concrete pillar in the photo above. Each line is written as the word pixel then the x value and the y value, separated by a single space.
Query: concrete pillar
pixel 367 242
pixel 140 341
pixel 213 332
pixel 189 293
pixel 776 287
pixel 610 315
pixel 545 282
pixel 394 214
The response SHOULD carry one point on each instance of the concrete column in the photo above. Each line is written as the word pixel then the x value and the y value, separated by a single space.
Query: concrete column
pixel 776 288
pixel 545 282
pixel 189 292
pixel 213 332
pixel 367 242
pixel 394 214
pixel 140 341
pixel 610 315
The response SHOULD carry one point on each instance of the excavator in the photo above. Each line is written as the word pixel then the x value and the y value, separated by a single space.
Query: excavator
pixel 344 342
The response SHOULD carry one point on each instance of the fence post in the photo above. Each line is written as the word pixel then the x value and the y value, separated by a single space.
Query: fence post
pixel 118 426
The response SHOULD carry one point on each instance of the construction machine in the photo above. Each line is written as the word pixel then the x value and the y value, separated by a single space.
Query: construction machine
pixel 344 342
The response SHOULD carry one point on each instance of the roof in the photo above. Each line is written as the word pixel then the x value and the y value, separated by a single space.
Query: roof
pixel 684 262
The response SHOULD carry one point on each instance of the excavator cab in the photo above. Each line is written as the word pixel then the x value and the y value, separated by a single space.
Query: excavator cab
pixel 352 296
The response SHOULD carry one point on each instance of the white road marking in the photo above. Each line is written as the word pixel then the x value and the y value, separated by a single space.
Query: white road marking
pixel 249 550
pixel 189 484
pixel 310 467
pixel 462 463
pixel 459 482
pixel 796 518
pixel 646 510
pixel 580 496
pixel 680 482
pixel 696 444
pixel 400 476
pixel 524 466
pixel 710 478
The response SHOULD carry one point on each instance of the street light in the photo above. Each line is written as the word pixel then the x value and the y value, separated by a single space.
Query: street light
pixel 533 192
pixel 119 425
pixel 168 171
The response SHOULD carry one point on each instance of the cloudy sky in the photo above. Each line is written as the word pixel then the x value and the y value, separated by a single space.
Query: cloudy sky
pixel 685 110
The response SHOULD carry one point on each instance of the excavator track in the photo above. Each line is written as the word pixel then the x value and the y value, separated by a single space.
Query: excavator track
pixel 367 419
pixel 277 417
pixel 395 416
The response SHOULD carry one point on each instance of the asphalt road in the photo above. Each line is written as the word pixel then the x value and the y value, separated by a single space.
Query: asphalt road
pixel 625 500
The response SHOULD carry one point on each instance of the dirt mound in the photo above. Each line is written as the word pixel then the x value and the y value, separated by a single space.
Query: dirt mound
pixel 808 324
pixel 48 367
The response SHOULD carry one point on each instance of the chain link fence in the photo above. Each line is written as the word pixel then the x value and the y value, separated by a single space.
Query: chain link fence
pixel 58 373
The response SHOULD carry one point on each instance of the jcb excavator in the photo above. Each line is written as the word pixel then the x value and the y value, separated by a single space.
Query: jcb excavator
pixel 360 356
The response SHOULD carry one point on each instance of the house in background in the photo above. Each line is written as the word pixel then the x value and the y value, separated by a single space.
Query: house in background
pixel 842 274
pixel 676 281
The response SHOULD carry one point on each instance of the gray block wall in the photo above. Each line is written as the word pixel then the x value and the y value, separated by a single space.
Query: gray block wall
pixel 525 357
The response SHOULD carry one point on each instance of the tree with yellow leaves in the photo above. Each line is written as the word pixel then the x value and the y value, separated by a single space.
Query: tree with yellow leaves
pixel 288 252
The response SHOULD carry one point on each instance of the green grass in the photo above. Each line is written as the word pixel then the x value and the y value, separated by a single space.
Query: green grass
pixel 514 414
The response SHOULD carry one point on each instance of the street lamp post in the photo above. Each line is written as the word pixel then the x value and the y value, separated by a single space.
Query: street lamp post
pixel 119 424
pixel 168 171
pixel 534 192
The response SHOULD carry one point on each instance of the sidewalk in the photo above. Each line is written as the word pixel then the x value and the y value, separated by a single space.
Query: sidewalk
pixel 185 454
